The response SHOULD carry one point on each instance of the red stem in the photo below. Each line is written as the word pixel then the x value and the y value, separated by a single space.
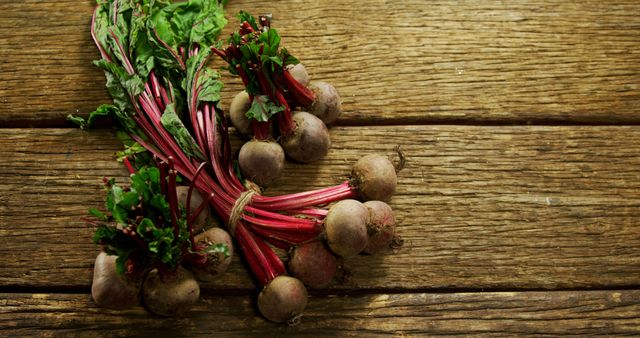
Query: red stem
pixel 190 216
pixel 103 53
pixel 127 164
pixel 171 51
pixel 301 94
pixel 275 202
pixel 260 130
pixel 259 264
pixel 173 198
pixel 285 120
pixel 276 242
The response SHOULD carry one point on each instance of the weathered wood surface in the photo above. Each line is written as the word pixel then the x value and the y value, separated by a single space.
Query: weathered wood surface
pixel 406 61
pixel 488 314
pixel 479 207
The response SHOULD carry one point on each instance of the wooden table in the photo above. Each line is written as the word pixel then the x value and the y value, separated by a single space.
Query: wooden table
pixel 519 205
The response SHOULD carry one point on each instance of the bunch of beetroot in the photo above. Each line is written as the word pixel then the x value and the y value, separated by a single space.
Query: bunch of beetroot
pixel 166 105
pixel 275 84
pixel 153 243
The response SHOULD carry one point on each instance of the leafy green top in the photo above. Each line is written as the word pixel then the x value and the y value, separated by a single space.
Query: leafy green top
pixel 137 225
pixel 161 45
pixel 255 55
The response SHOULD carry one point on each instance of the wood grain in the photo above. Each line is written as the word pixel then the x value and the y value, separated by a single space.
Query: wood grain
pixel 393 61
pixel 476 314
pixel 479 207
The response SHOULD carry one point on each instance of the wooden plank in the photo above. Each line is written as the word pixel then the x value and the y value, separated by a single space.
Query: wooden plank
pixel 517 313
pixel 479 207
pixel 405 61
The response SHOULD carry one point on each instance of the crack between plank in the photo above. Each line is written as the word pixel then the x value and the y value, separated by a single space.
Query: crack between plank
pixel 208 291
pixel 373 122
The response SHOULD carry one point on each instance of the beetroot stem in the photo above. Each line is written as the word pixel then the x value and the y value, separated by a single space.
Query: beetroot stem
pixel 285 120
pixel 300 93
pixel 103 53
pixel 192 216
pixel 280 244
pixel 173 198
pixel 127 164
pixel 262 267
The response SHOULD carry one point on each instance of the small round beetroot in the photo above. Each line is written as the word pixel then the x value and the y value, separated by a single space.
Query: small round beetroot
pixel 346 227
pixel 283 299
pixel 327 105
pixel 375 177
pixel 313 264
pixel 111 290
pixel 299 73
pixel 205 219
pixel 237 113
pixel 261 161
pixel 381 226
pixel 217 263
pixel 310 140
pixel 170 295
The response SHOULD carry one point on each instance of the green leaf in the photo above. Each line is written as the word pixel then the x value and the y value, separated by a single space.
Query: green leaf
pixel 210 86
pixel 101 27
pixel 235 39
pixel 262 109
pixel 141 46
pixel 121 264
pixel 105 234
pixel 120 84
pixel 98 214
pixel 271 39
pixel 172 123
pixel 130 150
pixel 207 25
pixel 288 58
pixel 79 121
pixel 277 60
pixel 217 248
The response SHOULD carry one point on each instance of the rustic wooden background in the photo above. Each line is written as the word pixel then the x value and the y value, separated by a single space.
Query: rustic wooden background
pixel 520 203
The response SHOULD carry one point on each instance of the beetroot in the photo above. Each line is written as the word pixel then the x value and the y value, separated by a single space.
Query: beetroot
pixel 283 299
pixel 299 72
pixel 381 226
pixel 205 219
pixel 375 177
pixel 111 290
pixel 261 161
pixel 309 141
pixel 217 263
pixel 313 264
pixel 346 227
pixel 327 105
pixel 170 295
pixel 237 113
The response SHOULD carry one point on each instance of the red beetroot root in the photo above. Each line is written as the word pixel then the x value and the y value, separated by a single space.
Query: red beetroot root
pixel 237 113
pixel 111 290
pixel 381 226
pixel 310 139
pixel 217 263
pixel 375 177
pixel 171 295
pixel 261 161
pixel 313 264
pixel 346 227
pixel 327 105
pixel 283 299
